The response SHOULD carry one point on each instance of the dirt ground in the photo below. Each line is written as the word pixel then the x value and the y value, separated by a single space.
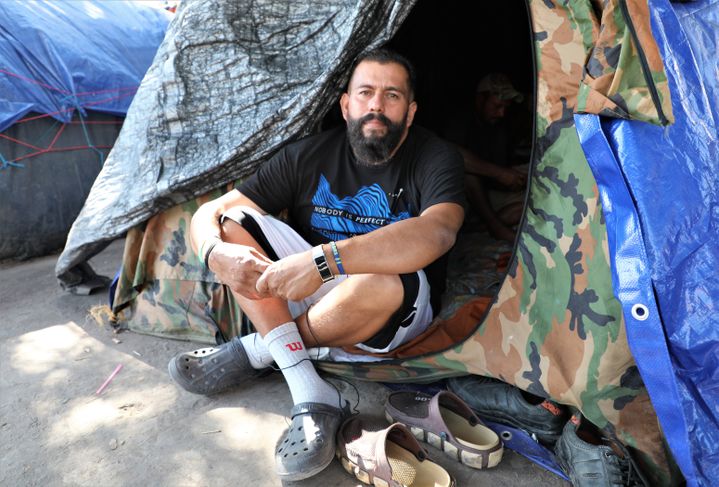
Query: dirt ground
pixel 142 430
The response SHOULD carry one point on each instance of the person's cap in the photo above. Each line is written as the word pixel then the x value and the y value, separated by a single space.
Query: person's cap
pixel 498 84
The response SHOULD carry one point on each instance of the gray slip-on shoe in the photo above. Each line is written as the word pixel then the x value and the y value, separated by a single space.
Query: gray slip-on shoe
pixel 594 461
pixel 213 369
pixel 309 444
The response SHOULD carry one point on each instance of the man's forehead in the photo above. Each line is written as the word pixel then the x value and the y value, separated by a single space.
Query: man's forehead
pixel 370 73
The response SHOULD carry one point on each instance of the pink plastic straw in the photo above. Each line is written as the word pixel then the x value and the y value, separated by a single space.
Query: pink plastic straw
pixel 107 381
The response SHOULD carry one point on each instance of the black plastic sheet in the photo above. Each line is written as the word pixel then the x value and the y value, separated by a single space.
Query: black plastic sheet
pixel 231 82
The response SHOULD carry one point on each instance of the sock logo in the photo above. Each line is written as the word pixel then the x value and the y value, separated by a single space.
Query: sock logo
pixel 294 346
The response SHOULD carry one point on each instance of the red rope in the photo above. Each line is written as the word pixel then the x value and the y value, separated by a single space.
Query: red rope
pixel 65 92
pixel 20 142
pixel 97 102
pixel 61 149
pixel 57 136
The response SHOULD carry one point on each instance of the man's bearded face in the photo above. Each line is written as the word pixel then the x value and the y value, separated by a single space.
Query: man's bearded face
pixel 371 147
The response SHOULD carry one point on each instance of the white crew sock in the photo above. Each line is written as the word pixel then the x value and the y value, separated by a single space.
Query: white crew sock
pixel 257 352
pixel 288 350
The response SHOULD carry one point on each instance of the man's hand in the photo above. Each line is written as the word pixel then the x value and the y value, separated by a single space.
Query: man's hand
pixel 293 278
pixel 239 267
pixel 511 178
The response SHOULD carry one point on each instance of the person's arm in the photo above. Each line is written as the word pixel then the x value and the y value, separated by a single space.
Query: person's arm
pixel 402 247
pixel 511 178
pixel 237 266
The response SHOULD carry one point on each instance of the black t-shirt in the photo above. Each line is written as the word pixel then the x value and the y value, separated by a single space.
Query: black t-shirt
pixel 329 196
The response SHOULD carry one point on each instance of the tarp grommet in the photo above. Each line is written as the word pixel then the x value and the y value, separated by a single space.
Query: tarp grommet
pixel 640 312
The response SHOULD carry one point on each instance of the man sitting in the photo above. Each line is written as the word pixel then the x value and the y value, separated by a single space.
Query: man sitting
pixel 372 209
pixel 495 188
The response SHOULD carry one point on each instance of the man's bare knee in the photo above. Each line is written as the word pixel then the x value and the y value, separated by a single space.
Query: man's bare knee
pixel 380 295
pixel 233 232
pixel 354 311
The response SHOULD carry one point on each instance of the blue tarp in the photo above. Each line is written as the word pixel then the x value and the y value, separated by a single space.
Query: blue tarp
pixel 57 56
pixel 660 193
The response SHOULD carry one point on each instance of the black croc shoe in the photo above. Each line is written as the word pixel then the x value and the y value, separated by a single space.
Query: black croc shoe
pixel 214 369
pixel 503 403
pixel 309 444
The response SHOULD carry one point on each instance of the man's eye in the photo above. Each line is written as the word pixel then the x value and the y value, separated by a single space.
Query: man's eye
pixel 363 93
pixel 393 96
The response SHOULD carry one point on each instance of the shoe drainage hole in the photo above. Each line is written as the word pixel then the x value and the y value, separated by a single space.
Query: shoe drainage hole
pixel 302 441
pixel 294 454
pixel 505 435
pixel 305 449
pixel 640 312
pixel 300 428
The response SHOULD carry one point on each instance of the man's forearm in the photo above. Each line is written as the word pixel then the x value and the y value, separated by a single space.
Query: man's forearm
pixel 399 248
pixel 477 166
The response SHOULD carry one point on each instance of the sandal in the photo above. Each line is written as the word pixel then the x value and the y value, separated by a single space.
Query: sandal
pixel 308 445
pixel 387 458
pixel 446 422
pixel 213 369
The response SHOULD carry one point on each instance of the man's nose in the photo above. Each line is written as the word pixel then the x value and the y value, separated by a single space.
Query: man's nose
pixel 376 103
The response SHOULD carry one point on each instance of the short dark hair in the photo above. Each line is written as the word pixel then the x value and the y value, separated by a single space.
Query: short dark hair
pixel 387 56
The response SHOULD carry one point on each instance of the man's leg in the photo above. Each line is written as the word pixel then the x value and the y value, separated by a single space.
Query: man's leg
pixel 308 446
pixel 280 335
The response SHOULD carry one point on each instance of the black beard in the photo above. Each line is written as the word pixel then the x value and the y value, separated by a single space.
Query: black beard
pixel 374 150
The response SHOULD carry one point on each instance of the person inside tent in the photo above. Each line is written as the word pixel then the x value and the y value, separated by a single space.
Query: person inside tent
pixel 495 188
pixel 373 209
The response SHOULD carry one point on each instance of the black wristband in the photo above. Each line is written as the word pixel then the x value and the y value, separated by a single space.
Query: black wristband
pixel 209 251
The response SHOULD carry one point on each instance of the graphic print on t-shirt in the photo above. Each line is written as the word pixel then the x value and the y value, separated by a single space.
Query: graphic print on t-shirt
pixel 337 219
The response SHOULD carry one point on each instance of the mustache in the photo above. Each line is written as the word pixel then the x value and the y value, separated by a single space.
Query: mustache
pixel 375 116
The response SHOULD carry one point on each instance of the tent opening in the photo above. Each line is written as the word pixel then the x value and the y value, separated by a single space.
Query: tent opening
pixel 454 46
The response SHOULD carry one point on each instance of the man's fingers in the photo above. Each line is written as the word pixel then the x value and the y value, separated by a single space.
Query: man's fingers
pixel 260 256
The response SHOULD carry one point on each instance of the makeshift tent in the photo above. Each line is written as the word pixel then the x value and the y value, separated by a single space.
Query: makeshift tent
pixel 68 72
pixel 234 81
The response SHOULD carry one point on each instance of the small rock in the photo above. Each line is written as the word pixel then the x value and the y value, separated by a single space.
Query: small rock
pixel 117 340
pixel 86 350
pixel 113 444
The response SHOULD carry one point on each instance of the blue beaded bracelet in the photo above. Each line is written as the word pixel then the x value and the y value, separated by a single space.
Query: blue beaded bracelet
pixel 338 259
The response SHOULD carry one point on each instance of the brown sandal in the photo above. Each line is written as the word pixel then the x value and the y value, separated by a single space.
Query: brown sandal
pixel 446 422
pixel 387 458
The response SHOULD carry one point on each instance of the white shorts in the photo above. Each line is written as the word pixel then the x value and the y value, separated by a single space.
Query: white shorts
pixel 413 317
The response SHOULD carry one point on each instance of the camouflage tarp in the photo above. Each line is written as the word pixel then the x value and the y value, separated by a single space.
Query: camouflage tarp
pixel 554 328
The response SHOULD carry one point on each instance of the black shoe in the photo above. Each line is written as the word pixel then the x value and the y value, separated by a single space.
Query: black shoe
pixel 593 461
pixel 309 444
pixel 503 403
pixel 214 369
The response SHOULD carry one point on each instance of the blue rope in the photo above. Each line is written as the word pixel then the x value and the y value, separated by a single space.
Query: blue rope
pixel 81 115
pixel 5 163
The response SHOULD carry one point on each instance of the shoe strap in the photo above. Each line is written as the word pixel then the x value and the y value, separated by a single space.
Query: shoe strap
pixel 314 408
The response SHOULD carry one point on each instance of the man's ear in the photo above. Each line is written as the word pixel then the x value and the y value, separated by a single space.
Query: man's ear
pixel 410 112
pixel 344 105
